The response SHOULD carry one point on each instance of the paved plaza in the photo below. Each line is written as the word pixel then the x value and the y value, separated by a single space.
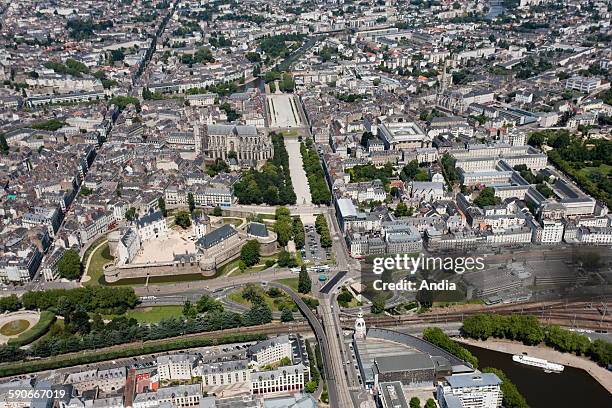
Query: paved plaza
pixel 164 249
pixel 298 175
pixel 284 112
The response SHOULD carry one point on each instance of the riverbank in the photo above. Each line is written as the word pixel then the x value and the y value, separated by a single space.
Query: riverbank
pixel 600 374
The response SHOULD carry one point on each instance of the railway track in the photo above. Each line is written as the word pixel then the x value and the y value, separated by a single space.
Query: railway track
pixel 569 314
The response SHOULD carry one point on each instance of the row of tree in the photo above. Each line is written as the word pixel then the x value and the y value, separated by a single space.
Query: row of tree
pixel 415 402
pixel 319 190
pixel 512 398
pixel 299 236
pixel 9 303
pixel 272 185
pixel 315 375
pixel 323 230
pixel 450 171
pixel 283 225
pixel 93 299
pixel 528 330
pixel 79 332
pixel 288 228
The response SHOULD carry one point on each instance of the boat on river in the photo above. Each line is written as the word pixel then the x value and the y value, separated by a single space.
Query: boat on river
pixel 545 365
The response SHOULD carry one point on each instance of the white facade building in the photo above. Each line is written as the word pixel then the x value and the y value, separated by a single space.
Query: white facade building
pixel 481 390
pixel 582 84
pixel 552 232
pixel 594 235
pixel 152 226
pixel 271 351
pixel 223 374
pixel 282 380
pixel 426 190
pixel 175 367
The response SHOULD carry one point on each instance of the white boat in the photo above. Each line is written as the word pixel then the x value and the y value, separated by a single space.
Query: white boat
pixel 545 365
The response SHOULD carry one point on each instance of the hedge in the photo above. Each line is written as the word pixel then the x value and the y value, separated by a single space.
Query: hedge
pixel 35 332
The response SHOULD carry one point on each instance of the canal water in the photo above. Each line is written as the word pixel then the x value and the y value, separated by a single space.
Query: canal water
pixel 571 389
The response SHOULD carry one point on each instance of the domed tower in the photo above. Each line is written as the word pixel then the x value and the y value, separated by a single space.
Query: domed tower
pixel 360 326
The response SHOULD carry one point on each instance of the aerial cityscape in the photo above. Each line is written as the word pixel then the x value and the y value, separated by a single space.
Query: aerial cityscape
pixel 305 203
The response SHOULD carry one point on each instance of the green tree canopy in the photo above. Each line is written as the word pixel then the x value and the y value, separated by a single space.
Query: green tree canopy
pixel 183 219
pixel 304 282
pixel 207 304
pixel 69 265
pixel 249 253
pixel 286 315
pixel 486 197
pixel 378 304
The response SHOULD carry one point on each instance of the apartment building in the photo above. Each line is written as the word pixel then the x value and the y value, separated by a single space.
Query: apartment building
pixel 552 232
pixel 476 390
pixel 271 351
pixel 107 381
pixel 289 378
pixel 594 235
pixel 176 366
pixel 223 374
pixel 179 396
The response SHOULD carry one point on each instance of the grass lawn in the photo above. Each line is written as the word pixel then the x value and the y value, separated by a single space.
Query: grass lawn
pixel 162 280
pixel 152 314
pixel 99 258
pixel 15 327
pixel 92 246
pixel 225 269
pixel 267 216
pixel 354 303
pixel 47 319
pixel 236 222
pixel 291 282
pixel 604 169
pixel 298 258
pixel 290 133
pixel 228 267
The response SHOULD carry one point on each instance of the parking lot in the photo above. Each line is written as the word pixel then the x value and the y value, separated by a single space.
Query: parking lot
pixel 312 252
pixel 210 354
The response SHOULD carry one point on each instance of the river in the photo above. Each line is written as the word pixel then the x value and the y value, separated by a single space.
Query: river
pixel 570 389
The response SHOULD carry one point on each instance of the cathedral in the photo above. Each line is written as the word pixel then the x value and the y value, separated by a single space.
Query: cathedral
pixel 251 145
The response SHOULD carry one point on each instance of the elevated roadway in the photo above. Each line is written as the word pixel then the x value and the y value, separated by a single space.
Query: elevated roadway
pixel 337 387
